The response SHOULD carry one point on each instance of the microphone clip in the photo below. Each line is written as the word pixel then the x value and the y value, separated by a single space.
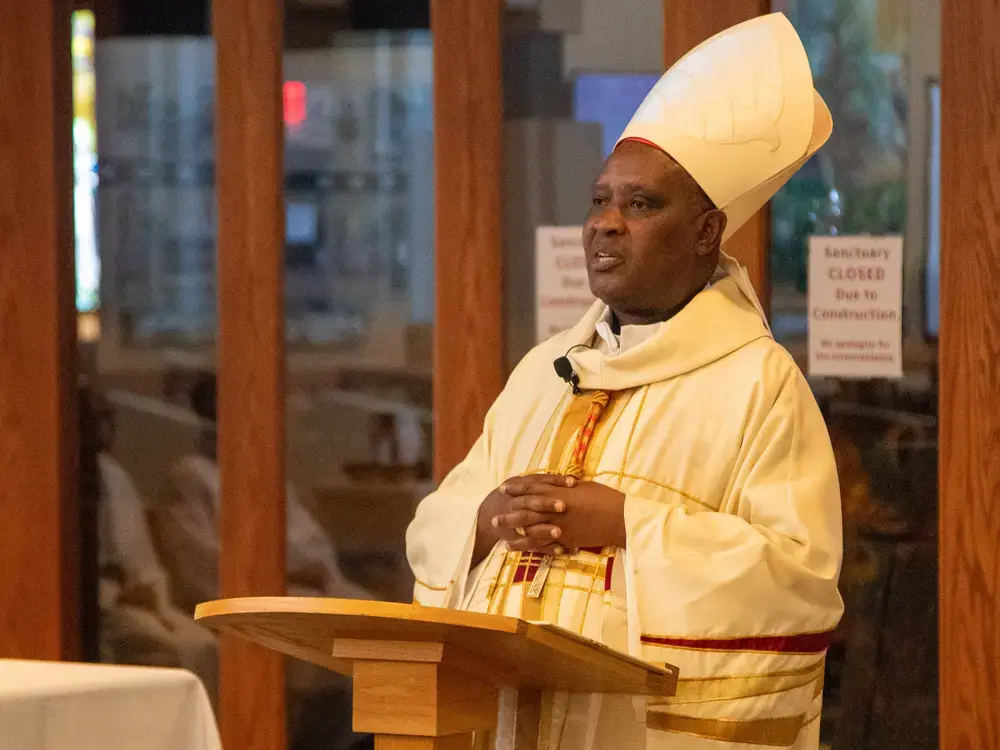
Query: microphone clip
pixel 564 369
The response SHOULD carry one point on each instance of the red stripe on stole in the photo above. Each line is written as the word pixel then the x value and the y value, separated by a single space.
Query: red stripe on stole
pixel 807 643
pixel 607 572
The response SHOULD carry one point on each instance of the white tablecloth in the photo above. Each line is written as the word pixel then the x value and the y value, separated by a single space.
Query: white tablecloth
pixel 57 706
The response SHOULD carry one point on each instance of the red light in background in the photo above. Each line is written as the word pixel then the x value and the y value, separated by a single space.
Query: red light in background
pixel 294 99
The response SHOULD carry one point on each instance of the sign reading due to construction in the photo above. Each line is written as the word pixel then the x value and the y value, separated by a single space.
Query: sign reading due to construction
pixel 856 307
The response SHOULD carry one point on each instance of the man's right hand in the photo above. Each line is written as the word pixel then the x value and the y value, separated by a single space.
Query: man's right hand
pixel 505 510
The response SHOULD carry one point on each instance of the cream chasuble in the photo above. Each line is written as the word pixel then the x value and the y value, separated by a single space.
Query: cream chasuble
pixel 733 527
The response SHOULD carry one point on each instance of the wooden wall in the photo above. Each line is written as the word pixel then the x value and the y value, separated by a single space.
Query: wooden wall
pixel 688 23
pixel 468 205
pixel 970 376
pixel 251 352
pixel 39 557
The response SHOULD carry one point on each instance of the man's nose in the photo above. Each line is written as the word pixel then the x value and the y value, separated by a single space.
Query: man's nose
pixel 609 221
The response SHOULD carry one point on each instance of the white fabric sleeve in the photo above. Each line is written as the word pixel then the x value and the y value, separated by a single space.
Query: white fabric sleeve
pixel 770 566
pixel 440 540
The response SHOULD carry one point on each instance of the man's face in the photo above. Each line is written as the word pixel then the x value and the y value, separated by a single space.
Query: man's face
pixel 651 237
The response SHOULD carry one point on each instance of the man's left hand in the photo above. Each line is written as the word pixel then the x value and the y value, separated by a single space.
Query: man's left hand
pixel 594 515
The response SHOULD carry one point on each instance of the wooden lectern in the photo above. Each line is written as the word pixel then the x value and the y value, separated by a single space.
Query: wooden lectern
pixel 427 678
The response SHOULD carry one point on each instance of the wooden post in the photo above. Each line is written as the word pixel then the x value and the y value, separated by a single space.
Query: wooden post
pixel 468 208
pixel 970 376
pixel 39 588
pixel 251 351
pixel 688 23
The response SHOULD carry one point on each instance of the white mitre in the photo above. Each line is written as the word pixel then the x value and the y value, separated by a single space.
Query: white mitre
pixel 739 113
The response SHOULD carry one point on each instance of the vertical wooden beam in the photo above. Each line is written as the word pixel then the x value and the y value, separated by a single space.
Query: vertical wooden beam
pixel 468 207
pixel 688 23
pixel 970 376
pixel 39 556
pixel 249 178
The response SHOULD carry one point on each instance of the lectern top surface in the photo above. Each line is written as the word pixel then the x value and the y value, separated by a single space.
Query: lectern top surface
pixel 501 650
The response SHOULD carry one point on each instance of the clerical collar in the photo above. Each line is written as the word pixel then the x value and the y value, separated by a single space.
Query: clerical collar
pixel 627 337
pixel 615 338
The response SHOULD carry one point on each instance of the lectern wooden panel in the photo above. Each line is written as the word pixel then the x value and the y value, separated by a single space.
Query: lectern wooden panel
pixel 427 677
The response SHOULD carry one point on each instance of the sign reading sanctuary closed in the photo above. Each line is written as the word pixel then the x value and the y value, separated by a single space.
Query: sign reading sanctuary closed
pixel 562 290
pixel 855 306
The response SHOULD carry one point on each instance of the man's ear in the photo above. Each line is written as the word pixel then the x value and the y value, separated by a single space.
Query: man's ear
pixel 713 225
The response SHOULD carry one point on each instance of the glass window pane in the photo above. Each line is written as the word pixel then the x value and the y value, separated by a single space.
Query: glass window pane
pixel 359 245
pixel 146 349
pixel 876 64
pixel 571 83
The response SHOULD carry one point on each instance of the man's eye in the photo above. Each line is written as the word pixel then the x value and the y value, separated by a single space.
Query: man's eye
pixel 598 201
pixel 639 204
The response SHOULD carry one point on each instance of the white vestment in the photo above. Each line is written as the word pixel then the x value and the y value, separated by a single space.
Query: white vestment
pixel 732 515
pixel 159 636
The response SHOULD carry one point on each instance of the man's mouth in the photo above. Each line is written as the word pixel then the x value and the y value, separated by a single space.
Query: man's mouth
pixel 602 261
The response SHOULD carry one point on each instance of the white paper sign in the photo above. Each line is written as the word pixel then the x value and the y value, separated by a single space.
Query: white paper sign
pixel 855 306
pixel 562 290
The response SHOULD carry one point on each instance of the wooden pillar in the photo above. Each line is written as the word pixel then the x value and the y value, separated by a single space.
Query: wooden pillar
pixel 39 556
pixel 251 351
pixel 688 23
pixel 468 207
pixel 970 376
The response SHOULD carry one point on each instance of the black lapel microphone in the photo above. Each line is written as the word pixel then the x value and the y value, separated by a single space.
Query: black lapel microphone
pixel 564 369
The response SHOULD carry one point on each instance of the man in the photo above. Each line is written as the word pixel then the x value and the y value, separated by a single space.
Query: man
pixel 677 499
pixel 138 623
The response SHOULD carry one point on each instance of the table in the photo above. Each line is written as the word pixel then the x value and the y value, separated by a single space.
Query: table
pixel 60 706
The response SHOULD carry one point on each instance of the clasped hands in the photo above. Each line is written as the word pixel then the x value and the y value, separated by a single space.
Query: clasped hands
pixel 548 513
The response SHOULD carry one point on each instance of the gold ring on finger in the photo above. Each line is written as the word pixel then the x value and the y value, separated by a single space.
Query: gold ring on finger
pixel 520 531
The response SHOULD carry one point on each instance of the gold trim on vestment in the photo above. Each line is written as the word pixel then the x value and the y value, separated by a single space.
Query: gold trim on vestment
pixel 731 650
pixel 682 493
pixel 798 672
pixel 501 586
pixel 572 422
pixel 728 688
pixel 819 684
pixel 571 587
pixel 590 595
pixel 779 732
pixel 578 566
pixel 543 441
pixel 631 434
pixel 429 587
pixel 508 583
